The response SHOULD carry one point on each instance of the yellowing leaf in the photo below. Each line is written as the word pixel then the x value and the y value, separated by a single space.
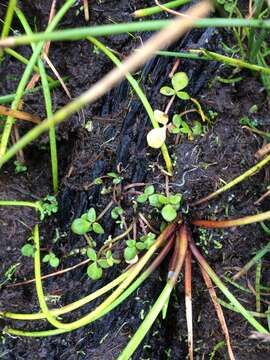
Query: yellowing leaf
pixel 161 117
pixel 156 137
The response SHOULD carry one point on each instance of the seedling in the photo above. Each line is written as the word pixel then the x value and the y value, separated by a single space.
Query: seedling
pixel 95 269
pixel 28 250
pixel 86 223
pixel 133 247
pixel 167 206
pixel 19 167
pixel 116 178
pixel 179 82
pixel 116 212
pixel 52 259
pixel 48 206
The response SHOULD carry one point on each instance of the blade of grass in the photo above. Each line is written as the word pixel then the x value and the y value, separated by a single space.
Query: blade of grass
pixel 217 224
pixel 140 26
pixel 188 302
pixel 6 99
pixel 225 290
pixel 234 182
pixel 118 301
pixel 135 85
pixel 219 311
pixel 232 308
pixel 258 286
pixel 166 36
pixel 27 72
pixel 134 342
pixel 156 9
pixel 259 255
pixel 8 21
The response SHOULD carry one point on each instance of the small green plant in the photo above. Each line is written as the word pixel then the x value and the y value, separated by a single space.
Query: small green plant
pixel 116 212
pixel 116 178
pixel 19 167
pixel 167 205
pixel 133 247
pixel 28 250
pixel 179 82
pixel 52 259
pixel 86 223
pixel 95 269
pixel 48 206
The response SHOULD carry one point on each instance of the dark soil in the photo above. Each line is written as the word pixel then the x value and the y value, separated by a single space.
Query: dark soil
pixel 118 137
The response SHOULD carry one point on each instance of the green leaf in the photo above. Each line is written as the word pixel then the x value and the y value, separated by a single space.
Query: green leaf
pixel 46 258
pixel 97 228
pixel 140 245
pixel 179 81
pixel 148 243
pixel 168 213
pixel 163 199
pixel 174 130
pixel 103 263
pixel 185 129
pixel 142 198
pixel 183 95
pixel 54 261
pixel 117 180
pixel 116 212
pixel 131 243
pixel 175 199
pixel 177 120
pixel 80 226
pixel 167 91
pixel 149 190
pixel 91 253
pixel 98 181
pixel 94 271
pixel 130 253
pixel 154 200
pixel 91 215
pixel 28 250
pixel 197 128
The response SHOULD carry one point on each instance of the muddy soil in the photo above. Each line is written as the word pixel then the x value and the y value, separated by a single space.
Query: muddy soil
pixel 118 137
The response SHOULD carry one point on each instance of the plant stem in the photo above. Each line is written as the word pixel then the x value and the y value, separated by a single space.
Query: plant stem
pixel 234 182
pixel 135 85
pixel 52 137
pixel 118 301
pixel 20 203
pixel 260 254
pixel 182 238
pixel 159 40
pixel 5 99
pixel 157 9
pixel 246 314
pixel 25 61
pixel 140 26
pixel 257 286
pixel 216 224
pixel 24 79
pixel 8 21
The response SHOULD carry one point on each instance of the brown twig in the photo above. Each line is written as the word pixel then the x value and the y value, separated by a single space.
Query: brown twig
pixel 188 301
pixel 21 115
pixel 86 10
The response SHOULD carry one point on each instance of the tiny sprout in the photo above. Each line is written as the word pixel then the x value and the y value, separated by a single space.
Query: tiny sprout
pixel 52 259
pixel 179 82
pixel 117 179
pixel 19 167
pixel 161 117
pixel 168 213
pixel 156 137
pixel 94 271
pixel 87 222
pixel 116 212
pixel 48 206
pixel 148 191
pixel 28 250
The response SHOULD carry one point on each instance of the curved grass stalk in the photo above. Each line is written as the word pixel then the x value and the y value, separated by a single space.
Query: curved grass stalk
pixel 140 26
pixel 135 85
pixel 117 302
pixel 138 58
pixel 48 104
pixel 182 239
pixel 216 224
pixel 157 9
pixel 234 302
pixel 8 18
pixel 89 317
pixel 235 181
pixel 25 77
pixel 35 205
